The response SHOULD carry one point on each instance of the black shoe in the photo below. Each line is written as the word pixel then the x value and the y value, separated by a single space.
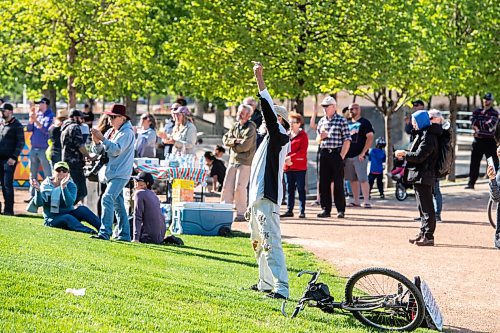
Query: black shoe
pixel 98 237
pixel 424 241
pixel 274 295
pixel 417 219
pixel 382 196
pixel 340 215
pixel 438 219
pixel 287 214
pixel 469 187
pixel 8 213
pixel 255 288
pixel 28 200
pixel 323 214
pixel 415 239
pixel 302 216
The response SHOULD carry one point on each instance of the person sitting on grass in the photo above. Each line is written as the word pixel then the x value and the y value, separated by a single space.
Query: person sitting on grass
pixel 149 223
pixel 217 171
pixel 57 196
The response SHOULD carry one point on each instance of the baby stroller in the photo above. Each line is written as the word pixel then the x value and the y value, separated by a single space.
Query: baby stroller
pixel 396 174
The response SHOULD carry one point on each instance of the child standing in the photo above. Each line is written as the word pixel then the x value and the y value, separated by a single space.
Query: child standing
pixel 377 160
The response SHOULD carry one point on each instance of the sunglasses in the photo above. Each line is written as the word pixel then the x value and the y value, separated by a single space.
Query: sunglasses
pixel 63 170
pixel 144 118
pixel 113 117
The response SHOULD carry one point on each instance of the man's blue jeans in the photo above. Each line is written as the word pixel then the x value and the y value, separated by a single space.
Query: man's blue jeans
pixel 296 180
pixel 72 220
pixel 497 231
pixel 7 181
pixel 37 157
pixel 114 203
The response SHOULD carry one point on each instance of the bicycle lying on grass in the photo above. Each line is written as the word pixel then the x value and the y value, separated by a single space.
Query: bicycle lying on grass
pixel 377 297
pixel 492 213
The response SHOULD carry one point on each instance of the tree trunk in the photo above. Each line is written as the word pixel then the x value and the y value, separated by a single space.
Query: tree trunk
pixel 389 147
pixel 219 120
pixel 453 123
pixel 91 103
pixel 201 108
pixel 71 77
pixel 148 106
pixel 299 104
pixel 131 105
pixel 51 94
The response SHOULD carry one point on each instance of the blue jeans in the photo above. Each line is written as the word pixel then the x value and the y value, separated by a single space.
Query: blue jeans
pixel 114 203
pixel 296 180
pixel 37 157
pixel 7 181
pixel 72 220
pixel 497 231
pixel 437 198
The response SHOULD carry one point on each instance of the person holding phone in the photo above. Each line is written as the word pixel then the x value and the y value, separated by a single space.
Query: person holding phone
pixel 57 195
pixel 494 181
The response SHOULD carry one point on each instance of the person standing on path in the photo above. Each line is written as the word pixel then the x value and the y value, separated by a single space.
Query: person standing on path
pixel 377 159
pixel 417 106
pixel 484 123
pixel 118 143
pixel 241 141
pixel 39 124
pixel 334 142
pixel 356 162
pixel 11 145
pixel 265 195
pixel 421 172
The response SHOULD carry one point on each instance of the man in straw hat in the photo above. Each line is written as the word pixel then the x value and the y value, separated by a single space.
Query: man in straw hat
pixel 265 195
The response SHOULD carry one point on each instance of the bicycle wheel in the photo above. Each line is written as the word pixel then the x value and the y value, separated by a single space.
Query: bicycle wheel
pixel 392 302
pixel 401 193
pixel 492 213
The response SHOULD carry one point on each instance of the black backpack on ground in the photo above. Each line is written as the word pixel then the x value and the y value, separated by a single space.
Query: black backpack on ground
pixel 446 153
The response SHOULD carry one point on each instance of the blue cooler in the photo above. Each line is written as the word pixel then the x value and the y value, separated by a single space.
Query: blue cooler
pixel 202 218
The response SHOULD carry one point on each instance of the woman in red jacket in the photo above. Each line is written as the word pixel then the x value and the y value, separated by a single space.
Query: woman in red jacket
pixel 296 165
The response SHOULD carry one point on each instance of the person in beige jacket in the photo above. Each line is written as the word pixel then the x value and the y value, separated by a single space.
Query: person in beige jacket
pixel 241 140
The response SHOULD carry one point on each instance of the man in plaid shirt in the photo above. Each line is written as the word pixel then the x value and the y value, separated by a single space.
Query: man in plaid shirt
pixel 334 141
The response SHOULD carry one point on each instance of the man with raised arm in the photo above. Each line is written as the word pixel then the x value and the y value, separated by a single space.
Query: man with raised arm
pixel 265 195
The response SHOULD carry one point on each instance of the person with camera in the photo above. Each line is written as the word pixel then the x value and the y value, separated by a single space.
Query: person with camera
pixel 74 151
pixel 421 172
pixel 57 195
pixel 118 143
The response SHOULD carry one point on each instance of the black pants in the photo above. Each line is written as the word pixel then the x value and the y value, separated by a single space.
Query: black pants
pixel 79 179
pixel 423 194
pixel 7 182
pixel 379 177
pixel 331 169
pixel 481 147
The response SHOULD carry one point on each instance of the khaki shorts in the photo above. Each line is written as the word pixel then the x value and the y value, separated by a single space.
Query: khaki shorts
pixel 356 170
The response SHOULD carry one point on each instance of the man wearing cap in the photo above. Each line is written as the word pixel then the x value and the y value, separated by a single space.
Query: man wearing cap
pixel 417 106
pixel 118 143
pixel 149 222
pixel 39 124
pixel 74 151
pixel 11 145
pixel 484 123
pixel 356 162
pixel 334 141
pixel 57 195
pixel 241 142
pixel 265 195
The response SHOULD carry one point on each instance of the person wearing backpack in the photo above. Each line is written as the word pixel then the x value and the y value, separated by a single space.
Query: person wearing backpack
pixel 421 172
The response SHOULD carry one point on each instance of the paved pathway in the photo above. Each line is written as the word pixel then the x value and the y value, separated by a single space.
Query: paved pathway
pixel 462 269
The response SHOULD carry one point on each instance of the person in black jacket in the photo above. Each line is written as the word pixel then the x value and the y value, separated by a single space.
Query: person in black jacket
pixel 265 195
pixel 11 145
pixel 421 171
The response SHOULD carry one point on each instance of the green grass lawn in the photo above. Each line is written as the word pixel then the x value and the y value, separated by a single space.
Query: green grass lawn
pixel 200 287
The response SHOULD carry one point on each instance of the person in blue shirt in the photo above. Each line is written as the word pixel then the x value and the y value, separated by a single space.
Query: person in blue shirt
pixel 377 159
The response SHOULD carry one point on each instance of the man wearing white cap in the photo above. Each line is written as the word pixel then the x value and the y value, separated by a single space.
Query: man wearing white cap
pixel 334 141
pixel 265 195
